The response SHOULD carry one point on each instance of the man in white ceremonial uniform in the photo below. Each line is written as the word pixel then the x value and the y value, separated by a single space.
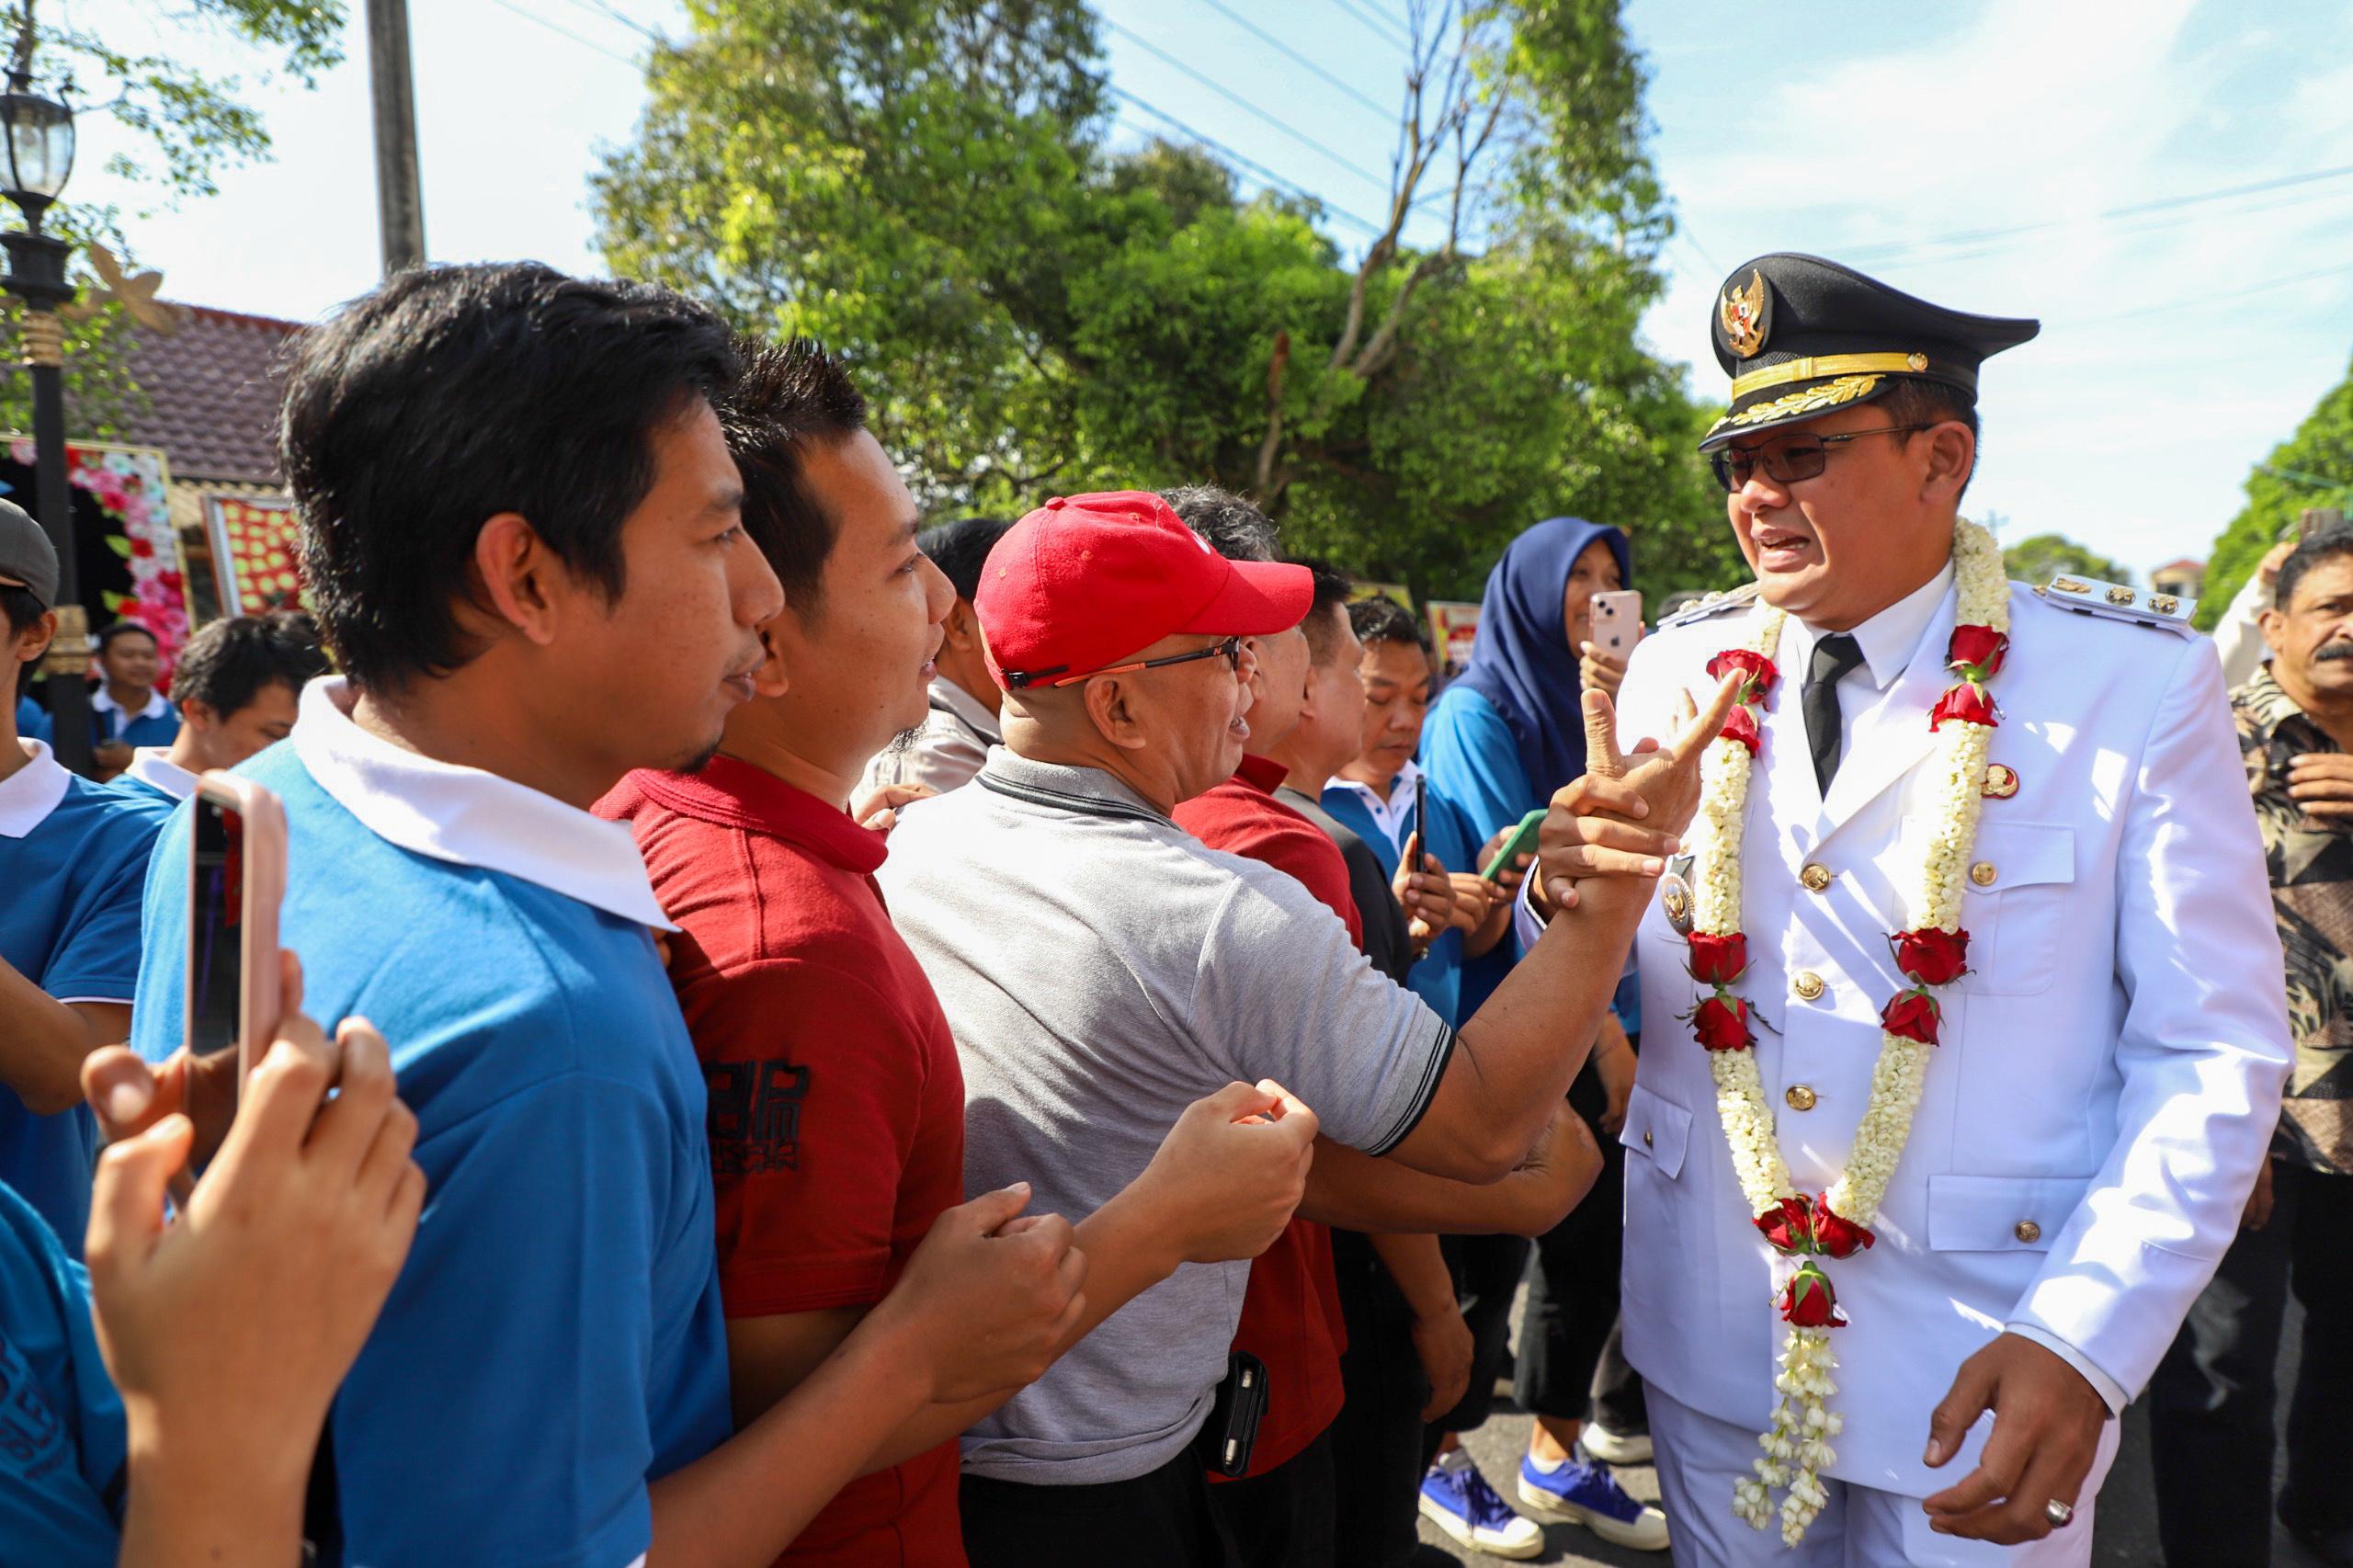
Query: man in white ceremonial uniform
pixel 2111 1062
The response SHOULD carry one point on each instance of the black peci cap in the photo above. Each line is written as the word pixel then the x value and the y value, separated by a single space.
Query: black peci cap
pixel 1800 335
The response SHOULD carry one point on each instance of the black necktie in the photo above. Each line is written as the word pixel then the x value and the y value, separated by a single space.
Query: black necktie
pixel 1833 658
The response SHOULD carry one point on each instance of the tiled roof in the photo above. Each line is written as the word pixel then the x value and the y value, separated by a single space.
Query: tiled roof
pixel 212 393
pixel 2172 568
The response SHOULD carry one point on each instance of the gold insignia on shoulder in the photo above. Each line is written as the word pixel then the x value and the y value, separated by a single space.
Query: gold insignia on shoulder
pixel 1742 313
pixel 2119 596
pixel 2001 782
pixel 2163 604
pixel 2114 601
pixel 2068 585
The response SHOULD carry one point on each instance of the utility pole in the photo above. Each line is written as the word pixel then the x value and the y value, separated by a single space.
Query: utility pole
pixel 400 204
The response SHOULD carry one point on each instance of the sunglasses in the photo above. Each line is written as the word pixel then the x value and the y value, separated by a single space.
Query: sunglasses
pixel 1800 457
pixel 1230 651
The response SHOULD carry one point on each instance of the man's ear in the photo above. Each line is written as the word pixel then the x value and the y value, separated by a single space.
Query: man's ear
pixel 1953 453
pixel 962 627
pixel 523 581
pixel 33 642
pixel 771 679
pixel 1108 706
pixel 198 715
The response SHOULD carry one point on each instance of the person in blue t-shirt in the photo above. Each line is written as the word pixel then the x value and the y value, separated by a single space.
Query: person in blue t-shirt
pixel 1374 792
pixel 33 723
pixel 73 860
pixel 238 681
pixel 126 710
pixel 522 527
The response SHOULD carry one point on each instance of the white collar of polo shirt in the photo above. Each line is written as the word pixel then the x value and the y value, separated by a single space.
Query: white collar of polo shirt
pixel 1888 638
pixel 967 707
pixel 103 700
pixel 153 765
pixel 29 794
pixel 466 816
pixel 1390 814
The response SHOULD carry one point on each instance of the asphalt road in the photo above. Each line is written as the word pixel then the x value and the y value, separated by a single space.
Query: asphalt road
pixel 2124 1531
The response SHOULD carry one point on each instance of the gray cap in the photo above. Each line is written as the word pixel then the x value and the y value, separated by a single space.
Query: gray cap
pixel 28 560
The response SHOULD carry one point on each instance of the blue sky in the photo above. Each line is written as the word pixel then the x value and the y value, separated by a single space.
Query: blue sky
pixel 1978 154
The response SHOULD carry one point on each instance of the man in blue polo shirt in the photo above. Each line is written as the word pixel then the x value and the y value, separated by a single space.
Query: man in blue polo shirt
pixel 126 710
pixel 73 857
pixel 521 523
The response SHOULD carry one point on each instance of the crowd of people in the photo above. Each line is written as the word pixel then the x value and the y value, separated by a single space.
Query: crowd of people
pixel 1045 1041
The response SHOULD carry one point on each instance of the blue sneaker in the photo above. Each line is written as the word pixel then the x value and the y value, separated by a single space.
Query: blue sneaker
pixel 1457 1499
pixel 1587 1494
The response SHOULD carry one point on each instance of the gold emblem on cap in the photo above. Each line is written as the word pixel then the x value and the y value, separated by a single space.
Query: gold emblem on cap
pixel 1916 360
pixel 1742 313
pixel 2001 782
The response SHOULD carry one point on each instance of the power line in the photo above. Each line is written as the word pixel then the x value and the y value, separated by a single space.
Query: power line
pixel 1265 174
pixel 567 32
pixel 1248 25
pixel 611 12
pixel 2191 301
pixel 1378 25
pixel 2163 204
pixel 1376 181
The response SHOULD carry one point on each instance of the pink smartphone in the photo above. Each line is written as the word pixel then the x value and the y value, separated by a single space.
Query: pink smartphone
pixel 1617 621
pixel 236 880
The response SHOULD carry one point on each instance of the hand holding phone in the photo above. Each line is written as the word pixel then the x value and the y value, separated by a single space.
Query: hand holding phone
pixel 1617 621
pixel 1521 842
pixel 236 880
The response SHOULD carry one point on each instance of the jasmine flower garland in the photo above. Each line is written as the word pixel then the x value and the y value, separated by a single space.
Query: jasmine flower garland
pixel 1931 955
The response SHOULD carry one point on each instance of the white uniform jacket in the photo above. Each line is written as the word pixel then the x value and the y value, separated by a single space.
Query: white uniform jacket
pixel 2110 1068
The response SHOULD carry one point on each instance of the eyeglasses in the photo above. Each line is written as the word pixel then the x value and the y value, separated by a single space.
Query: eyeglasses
pixel 1800 457
pixel 1230 651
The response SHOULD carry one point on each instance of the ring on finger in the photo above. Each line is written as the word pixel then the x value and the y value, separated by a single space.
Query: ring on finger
pixel 2058 1513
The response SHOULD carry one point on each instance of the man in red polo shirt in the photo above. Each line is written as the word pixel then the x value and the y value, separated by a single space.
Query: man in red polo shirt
pixel 836 1102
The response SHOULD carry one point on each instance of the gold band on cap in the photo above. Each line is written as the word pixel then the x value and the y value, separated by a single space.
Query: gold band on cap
pixel 1812 367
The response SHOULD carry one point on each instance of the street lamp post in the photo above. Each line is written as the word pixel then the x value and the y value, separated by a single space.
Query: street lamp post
pixel 36 147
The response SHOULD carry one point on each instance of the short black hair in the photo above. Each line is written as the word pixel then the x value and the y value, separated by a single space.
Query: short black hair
pixel 961 548
pixel 450 394
pixel 1330 600
pixel 2321 544
pixel 227 664
pixel 1915 400
pixel 1235 528
pixel 788 395
pixel 122 629
pixel 23 609
pixel 1383 619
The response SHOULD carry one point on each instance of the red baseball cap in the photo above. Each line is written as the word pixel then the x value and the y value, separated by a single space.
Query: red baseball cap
pixel 1086 580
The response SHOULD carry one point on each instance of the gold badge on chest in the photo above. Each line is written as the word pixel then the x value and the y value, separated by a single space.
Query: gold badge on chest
pixel 1674 894
pixel 2001 782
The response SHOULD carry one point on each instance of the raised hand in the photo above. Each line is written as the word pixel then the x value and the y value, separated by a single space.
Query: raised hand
pixel 1627 812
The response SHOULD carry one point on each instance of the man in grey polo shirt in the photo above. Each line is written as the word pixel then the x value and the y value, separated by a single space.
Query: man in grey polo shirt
pixel 1099 965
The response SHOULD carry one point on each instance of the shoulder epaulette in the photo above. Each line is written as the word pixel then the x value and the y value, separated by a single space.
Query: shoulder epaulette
pixel 2113 601
pixel 1712 606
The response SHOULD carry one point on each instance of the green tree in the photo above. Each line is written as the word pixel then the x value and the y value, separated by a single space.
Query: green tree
pixel 2312 468
pixel 189 129
pixel 926 186
pixel 2041 557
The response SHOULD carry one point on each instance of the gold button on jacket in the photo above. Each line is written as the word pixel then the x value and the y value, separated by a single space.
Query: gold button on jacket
pixel 1808 986
pixel 1799 1097
pixel 2027 1231
pixel 1982 873
pixel 1815 876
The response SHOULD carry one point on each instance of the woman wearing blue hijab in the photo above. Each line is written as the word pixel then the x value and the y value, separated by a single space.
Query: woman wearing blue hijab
pixel 1508 731
pixel 1502 738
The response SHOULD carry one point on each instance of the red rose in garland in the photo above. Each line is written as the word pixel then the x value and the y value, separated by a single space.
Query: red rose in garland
pixel 1912 1014
pixel 1809 1302
pixel 1970 704
pixel 1718 960
pixel 1978 650
pixel 1762 672
pixel 1722 1024
pixel 1740 725
pixel 1786 1225
pixel 1931 957
pixel 1834 1235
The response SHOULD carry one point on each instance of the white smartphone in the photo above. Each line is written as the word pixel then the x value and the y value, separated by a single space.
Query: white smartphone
pixel 1617 621
pixel 236 880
